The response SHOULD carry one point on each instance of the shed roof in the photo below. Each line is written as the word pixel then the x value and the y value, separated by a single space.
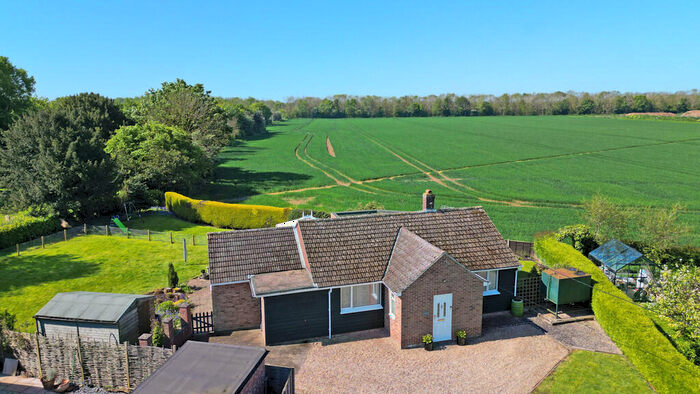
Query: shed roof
pixel 615 255
pixel 204 367
pixel 88 306
pixel 275 282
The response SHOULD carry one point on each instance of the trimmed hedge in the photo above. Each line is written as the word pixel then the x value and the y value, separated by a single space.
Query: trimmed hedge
pixel 24 227
pixel 627 324
pixel 219 214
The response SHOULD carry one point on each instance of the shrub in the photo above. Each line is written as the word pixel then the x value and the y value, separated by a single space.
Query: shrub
pixel 172 276
pixel 219 214
pixel 627 324
pixel 167 306
pixel 157 333
pixel 24 227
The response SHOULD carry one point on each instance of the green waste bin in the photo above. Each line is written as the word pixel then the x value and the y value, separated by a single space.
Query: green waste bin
pixel 516 306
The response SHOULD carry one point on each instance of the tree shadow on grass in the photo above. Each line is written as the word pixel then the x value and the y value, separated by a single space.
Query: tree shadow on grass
pixel 235 183
pixel 18 272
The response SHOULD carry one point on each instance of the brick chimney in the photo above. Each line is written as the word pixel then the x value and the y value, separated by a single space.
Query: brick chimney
pixel 428 200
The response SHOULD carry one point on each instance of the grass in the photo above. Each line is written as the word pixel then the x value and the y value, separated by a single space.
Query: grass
pixel 98 263
pixel 529 173
pixel 628 325
pixel 590 372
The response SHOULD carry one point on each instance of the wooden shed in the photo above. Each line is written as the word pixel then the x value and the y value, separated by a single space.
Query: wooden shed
pixel 105 317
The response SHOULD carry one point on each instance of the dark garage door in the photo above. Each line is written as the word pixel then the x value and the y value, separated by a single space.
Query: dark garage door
pixel 295 317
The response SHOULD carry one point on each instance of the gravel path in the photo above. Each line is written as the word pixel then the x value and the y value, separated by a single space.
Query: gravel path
pixel 491 365
pixel 201 297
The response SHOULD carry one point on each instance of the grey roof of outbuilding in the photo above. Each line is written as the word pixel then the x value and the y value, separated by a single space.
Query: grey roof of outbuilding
pixel 353 250
pixel 203 367
pixel 233 255
pixel 88 306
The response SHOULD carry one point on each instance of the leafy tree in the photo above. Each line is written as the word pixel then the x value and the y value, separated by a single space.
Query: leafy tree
pixel 683 105
pixel 587 106
pixel 581 236
pixel 677 298
pixel 463 106
pixel 640 103
pixel 485 108
pixel 562 107
pixel 606 219
pixel 621 106
pixel 16 89
pixel 660 230
pixel 263 109
pixel 190 108
pixel 55 156
pixel 153 158
pixel 173 280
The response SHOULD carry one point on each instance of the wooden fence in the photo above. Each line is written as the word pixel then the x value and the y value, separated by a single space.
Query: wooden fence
pixel 110 366
pixel 523 249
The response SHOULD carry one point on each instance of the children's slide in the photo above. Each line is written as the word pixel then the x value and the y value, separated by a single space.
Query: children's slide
pixel 120 224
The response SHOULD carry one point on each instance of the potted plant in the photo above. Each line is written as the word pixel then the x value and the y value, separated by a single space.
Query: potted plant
pixel 48 379
pixel 428 342
pixel 461 337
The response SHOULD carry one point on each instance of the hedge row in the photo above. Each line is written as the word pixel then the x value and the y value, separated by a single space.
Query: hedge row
pixel 24 227
pixel 219 214
pixel 627 324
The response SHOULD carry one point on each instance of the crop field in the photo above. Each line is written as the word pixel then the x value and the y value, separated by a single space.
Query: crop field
pixel 530 173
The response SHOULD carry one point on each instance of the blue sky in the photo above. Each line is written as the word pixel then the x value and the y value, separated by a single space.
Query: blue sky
pixel 274 50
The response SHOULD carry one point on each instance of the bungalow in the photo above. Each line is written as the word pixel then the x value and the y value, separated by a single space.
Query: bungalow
pixel 413 273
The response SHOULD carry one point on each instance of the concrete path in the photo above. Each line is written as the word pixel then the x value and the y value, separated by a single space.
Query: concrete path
pixel 18 384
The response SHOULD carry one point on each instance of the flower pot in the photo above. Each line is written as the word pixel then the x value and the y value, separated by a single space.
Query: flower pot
pixel 461 341
pixel 48 383
pixel 428 346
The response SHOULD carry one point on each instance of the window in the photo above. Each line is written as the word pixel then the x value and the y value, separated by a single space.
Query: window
pixel 490 287
pixel 392 305
pixel 360 298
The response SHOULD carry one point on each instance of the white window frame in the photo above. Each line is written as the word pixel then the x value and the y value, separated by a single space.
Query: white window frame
pixel 392 305
pixel 494 291
pixel 365 308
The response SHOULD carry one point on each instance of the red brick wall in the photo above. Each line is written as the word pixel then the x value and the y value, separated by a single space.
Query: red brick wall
pixel 256 384
pixel 393 324
pixel 445 276
pixel 234 307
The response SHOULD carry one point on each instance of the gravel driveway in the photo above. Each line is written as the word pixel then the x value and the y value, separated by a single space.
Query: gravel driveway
pixel 509 359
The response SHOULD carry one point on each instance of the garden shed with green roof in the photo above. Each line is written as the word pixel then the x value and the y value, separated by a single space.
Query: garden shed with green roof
pixel 107 317
pixel 625 266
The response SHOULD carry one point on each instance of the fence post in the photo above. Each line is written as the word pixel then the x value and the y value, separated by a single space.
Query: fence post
pixel 127 233
pixel 126 361
pixel 80 359
pixel 106 229
pixel 171 237
pixel 149 234
pixel 85 228
pixel 17 245
pixel 192 239
pixel 38 354
pixel 42 242
pixel 65 235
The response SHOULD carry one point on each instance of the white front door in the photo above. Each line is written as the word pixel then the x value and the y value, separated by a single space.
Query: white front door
pixel 442 317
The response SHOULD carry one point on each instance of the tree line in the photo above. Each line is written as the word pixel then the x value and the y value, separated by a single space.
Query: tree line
pixel 557 103
pixel 83 155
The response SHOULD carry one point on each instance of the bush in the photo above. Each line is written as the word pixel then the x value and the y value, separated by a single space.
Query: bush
pixel 24 227
pixel 158 334
pixel 219 214
pixel 172 276
pixel 627 324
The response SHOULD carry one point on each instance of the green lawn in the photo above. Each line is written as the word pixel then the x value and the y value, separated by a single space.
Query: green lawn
pixel 98 263
pixel 529 173
pixel 590 372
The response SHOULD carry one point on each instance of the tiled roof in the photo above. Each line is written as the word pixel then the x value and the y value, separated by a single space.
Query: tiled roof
pixel 412 255
pixel 233 255
pixel 356 249
pixel 277 282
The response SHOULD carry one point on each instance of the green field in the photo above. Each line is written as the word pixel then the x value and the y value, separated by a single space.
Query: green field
pixel 589 372
pixel 529 173
pixel 97 263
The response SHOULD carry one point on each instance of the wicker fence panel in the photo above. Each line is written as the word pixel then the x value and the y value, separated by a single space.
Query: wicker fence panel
pixel 106 365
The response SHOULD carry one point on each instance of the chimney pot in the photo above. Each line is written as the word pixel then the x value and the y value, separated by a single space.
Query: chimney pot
pixel 428 200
